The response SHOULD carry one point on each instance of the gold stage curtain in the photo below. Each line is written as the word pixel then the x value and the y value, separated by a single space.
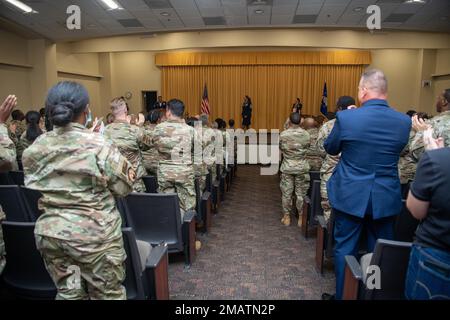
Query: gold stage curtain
pixel 273 89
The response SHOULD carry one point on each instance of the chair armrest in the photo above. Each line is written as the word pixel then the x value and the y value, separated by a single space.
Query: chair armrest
pixel 206 195
pixel 156 273
pixel 322 222
pixel 189 216
pixel 352 279
pixel 354 267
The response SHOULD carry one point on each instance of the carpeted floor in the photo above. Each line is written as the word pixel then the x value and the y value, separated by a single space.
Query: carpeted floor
pixel 249 254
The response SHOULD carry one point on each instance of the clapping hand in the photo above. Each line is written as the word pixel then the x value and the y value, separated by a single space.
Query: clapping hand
pixel 6 107
pixel 430 142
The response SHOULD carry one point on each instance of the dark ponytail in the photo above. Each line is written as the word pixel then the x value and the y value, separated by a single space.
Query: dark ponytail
pixel 33 131
pixel 65 102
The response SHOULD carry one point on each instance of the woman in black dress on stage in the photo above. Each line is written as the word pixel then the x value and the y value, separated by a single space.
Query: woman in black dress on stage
pixel 246 113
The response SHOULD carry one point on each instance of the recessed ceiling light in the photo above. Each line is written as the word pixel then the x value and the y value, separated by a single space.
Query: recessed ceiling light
pixel 22 6
pixel 111 4
pixel 259 11
pixel 415 1
pixel 358 9
pixel 165 14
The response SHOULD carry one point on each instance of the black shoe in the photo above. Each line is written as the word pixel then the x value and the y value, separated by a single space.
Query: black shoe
pixel 327 296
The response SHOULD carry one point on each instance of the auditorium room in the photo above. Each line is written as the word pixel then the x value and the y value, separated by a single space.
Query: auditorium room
pixel 217 157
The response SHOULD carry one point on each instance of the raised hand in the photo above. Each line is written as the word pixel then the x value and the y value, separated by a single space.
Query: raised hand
pixel 419 124
pixel 7 107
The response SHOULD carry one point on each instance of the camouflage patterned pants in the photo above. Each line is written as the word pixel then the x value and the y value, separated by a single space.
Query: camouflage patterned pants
pixel 324 177
pixel 315 163
pixel 213 170
pixel 290 184
pixel 101 267
pixel 139 186
pixel 202 182
pixel 179 180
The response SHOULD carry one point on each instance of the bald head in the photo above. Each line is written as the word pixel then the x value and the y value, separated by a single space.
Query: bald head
pixel 373 85
pixel 309 123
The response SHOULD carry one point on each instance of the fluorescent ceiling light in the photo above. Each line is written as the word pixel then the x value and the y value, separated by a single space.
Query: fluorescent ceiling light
pixel 111 4
pixel 22 6
pixel 415 1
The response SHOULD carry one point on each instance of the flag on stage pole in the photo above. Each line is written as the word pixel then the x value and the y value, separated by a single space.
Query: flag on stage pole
pixel 205 102
pixel 324 104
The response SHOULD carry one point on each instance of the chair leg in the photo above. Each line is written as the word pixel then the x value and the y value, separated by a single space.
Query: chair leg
pixel 320 247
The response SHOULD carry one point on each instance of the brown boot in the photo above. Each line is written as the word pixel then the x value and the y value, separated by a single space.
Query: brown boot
pixel 286 220
pixel 300 223
pixel 198 245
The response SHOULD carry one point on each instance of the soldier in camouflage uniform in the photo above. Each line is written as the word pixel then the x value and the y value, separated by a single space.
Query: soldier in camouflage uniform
pixel 208 138
pixel 218 142
pixel 16 126
pixel 294 143
pixel 150 157
pixel 78 173
pixel 130 139
pixel 439 123
pixel 313 155
pixel 406 163
pixel 174 140
pixel 31 133
pixel 7 160
pixel 329 161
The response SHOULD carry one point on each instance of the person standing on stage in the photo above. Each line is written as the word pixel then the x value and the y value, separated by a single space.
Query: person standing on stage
pixel 297 106
pixel 246 113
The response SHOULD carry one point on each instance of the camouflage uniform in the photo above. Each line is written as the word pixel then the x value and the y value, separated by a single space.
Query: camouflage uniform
pixel 218 137
pixel 130 139
pixel 22 145
pixel 313 155
pixel 328 165
pixel 406 163
pixel 150 157
pixel 208 139
pixel 441 128
pixel 79 173
pixel 174 140
pixel 8 154
pixel 294 143
pixel 20 128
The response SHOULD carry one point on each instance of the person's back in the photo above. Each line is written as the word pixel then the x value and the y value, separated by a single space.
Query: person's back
pixel 78 173
pixel 294 144
pixel 428 201
pixel 372 138
pixel 130 139
pixel 313 155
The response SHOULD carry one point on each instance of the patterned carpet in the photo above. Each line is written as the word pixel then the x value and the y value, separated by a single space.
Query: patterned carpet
pixel 248 254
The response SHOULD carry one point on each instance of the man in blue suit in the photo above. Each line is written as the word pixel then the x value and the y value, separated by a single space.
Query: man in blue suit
pixel 364 190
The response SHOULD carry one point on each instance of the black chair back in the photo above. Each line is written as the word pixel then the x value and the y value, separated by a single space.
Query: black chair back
pixel 155 218
pixel 133 279
pixel 316 198
pixel 5 179
pixel 151 184
pixel 32 199
pixel 14 204
pixel 392 257
pixel 313 176
pixel 120 205
pixel 25 273
pixel 209 182
pixel 18 177
pixel 405 225
pixel 198 200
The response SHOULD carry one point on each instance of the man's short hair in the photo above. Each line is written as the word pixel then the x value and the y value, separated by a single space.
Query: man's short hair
pixel 231 122
pixel 17 115
pixel 294 118
pixel 410 113
pixel 153 116
pixel 375 80
pixel 118 106
pixel 344 102
pixel 176 107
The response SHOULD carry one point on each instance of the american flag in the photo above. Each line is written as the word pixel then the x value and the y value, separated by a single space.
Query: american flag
pixel 205 102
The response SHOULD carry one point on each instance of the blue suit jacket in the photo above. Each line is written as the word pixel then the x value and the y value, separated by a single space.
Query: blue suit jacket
pixel 370 139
